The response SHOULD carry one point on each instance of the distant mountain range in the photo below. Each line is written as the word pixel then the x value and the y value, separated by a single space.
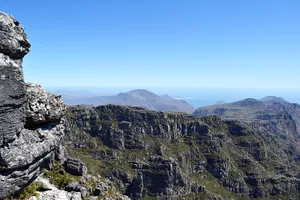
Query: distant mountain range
pixel 140 97
pixel 275 113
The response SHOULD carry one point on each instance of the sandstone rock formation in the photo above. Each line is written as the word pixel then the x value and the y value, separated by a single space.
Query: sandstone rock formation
pixel 150 154
pixel 31 124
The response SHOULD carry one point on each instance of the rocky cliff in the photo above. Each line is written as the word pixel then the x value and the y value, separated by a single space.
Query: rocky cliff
pixel 31 124
pixel 150 155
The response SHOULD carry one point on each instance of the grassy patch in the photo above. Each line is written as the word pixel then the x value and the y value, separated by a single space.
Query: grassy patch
pixel 213 185
pixel 29 191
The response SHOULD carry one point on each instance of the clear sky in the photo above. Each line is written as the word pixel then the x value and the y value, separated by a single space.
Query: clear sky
pixel 139 43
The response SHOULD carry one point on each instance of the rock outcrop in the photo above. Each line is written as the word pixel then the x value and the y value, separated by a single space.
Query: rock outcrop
pixel 69 180
pixel 50 192
pixel 88 188
pixel 31 124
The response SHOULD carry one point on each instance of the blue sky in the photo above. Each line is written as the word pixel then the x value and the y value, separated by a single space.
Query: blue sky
pixel 155 43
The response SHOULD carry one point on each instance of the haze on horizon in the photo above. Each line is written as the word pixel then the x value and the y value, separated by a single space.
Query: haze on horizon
pixel 148 44
pixel 193 95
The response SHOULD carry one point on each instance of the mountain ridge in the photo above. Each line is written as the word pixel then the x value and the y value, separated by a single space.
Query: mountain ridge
pixel 269 112
pixel 273 98
pixel 141 98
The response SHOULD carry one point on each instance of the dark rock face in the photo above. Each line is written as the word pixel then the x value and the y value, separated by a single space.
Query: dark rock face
pixel 13 46
pixel 159 175
pixel 75 167
pixel 29 131
pixel 181 156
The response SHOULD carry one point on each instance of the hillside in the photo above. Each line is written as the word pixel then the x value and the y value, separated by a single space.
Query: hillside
pixel 150 155
pixel 140 97
pixel 276 114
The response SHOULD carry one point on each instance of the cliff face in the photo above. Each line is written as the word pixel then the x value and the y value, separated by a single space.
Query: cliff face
pixel 30 117
pixel 179 156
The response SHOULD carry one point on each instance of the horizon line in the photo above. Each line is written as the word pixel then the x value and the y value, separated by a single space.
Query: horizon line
pixel 168 86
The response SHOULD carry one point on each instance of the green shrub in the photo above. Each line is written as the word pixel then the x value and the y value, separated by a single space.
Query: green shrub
pixel 30 190
pixel 60 180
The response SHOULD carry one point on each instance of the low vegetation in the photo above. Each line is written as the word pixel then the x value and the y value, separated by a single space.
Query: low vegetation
pixel 59 177
pixel 30 191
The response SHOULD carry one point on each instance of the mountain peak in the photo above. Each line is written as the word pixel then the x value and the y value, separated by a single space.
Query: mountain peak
pixel 273 98
pixel 141 98
pixel 139 93
pixel 248 102
pixel 142 92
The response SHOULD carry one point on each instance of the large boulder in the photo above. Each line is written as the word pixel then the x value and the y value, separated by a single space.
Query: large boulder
pixel 75 167
pixel 31 124
pixel 43 107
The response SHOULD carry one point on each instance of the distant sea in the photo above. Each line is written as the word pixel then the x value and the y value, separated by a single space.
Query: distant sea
pixel 194 95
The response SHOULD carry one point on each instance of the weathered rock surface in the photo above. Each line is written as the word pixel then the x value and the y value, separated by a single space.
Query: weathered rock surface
pixel 13 40
pixel 52 193
pixel 43 107
pixel 13 46
pixel 75 167
pixel 30 118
